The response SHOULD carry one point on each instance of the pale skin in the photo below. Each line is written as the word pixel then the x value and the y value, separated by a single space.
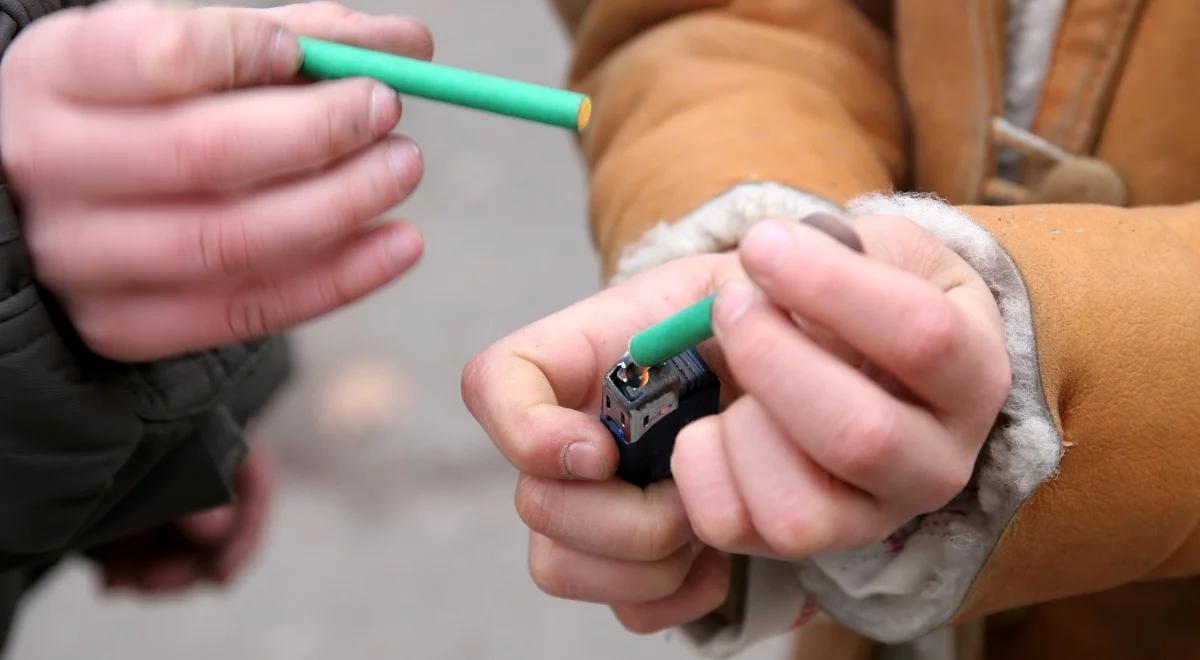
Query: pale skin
pixel 180 190
pixel 860 389
pixel 186 194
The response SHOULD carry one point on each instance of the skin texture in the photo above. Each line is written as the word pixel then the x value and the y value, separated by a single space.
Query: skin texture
pixel 218 200
pixel 193 193
pixel 861 388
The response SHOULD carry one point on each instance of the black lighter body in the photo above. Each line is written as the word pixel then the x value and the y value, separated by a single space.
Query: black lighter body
pixel 645 411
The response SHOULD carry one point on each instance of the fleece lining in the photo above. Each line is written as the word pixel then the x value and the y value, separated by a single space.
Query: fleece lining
pixel 914 582
pixel 718 225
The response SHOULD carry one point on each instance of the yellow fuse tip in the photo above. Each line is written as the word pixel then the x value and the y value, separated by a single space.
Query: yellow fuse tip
pixel 585 114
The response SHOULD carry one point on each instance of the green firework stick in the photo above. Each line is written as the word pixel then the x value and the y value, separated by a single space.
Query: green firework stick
pixel 547 105
pixel 673 335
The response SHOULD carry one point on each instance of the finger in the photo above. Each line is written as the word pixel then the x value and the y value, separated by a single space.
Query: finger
pixel 167 575
pixel 174 322
pixel 182 242
pixel 401 35
pixel 915 332
pixel 797 508
pixel 608 519
pixel 523 392
pixel 142 52
pixel 565 572
pixel 526 390
pixel 226 142
pixel 709 491
pixel 209 527
pixel 704 589
pixel 841 419
pixel 254 485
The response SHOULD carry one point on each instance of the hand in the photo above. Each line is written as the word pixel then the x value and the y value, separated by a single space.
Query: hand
pixel 537 392
pixel 214 545
pixel 179 191
pixel 870 385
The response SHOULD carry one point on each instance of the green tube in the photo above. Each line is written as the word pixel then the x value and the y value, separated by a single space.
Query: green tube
pixel 559 107
pixel 673 335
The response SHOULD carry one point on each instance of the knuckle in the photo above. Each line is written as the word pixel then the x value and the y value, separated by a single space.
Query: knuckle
pixel 799 531
pixel 945 485
pixel 199 153
pixel 534 506
pixel 637 620
pixel 253 313
pixel 421 45
pixel 344 206
pixel 98 328
pixel 343 122
pixel 671 575
pixel 330 291
pixel 722 525
pixel 473 379
pixel 170 58
pixel 660 535
pixel 222 245
pixel 331 10
pixel 548 573
pixel 532 456
pixel 252 43
pixel 935 334
pixel 866 444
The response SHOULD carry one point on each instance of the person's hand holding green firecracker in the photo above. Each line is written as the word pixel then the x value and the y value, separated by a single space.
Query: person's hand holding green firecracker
pixel 183 193
pixel 859 390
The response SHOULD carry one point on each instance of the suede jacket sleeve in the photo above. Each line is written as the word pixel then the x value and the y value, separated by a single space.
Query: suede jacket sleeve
pixel 713 115
pixel 696 97
pixel 1115 295
pixel 92 450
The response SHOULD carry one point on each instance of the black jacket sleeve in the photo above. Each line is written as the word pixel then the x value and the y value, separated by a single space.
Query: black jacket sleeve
pixel 92 450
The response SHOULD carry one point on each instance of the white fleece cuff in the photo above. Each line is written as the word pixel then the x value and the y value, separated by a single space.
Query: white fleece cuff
pixel 718 225
pixel 915 581
pixel 774 602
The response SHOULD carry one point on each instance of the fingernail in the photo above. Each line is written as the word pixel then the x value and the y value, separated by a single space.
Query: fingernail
pixel 836 227
pixel 385 109
pixel 583 461
pixel 285 56
pixel 766 244
pixel 403 156
pixel 732 302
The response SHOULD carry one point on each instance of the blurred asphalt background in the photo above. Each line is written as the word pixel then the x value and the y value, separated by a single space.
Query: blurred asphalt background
pixel 394 534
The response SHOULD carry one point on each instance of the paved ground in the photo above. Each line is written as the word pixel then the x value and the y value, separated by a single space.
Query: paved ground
pixel 395 535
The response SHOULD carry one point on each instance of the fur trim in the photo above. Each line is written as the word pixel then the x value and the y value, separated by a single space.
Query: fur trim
pixel 914 583
pixel 774 603
pixel 917 581
pixel 718 225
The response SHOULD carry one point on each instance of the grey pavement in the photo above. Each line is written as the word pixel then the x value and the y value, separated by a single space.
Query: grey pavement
pixel 394 534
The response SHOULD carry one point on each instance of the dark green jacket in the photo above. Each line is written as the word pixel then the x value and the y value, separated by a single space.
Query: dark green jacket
pixel 92 450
